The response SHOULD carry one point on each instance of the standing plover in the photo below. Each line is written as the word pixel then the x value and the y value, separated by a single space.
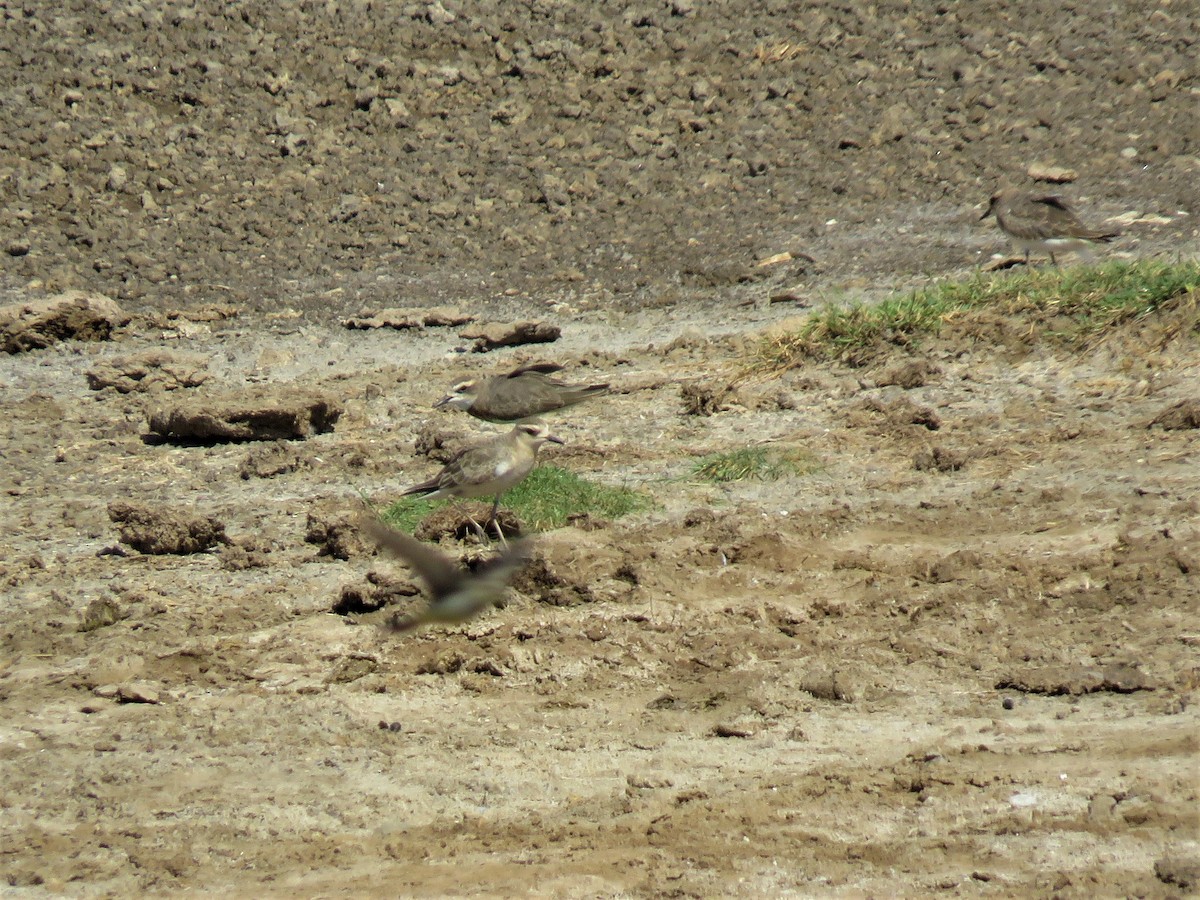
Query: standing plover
pixel 519 395
pixel 489 469
pixel 455 594
pixel 1043 222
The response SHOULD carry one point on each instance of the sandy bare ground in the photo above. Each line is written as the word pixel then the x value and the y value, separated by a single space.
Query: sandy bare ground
pixel 961 655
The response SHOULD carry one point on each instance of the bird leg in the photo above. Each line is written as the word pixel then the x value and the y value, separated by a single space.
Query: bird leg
pixel 475 526
pixel 480 531
pixel 494 521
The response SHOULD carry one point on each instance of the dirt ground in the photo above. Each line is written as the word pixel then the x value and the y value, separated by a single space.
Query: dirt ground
pixel 961 656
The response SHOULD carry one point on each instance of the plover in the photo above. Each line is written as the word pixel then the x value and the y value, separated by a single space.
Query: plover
pixel 455 594
pixel 489 469
pixel 519 395
pixel 1043 222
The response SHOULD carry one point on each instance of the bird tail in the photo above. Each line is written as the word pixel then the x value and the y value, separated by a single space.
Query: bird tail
pixel 425 487
pixel 577 394
pixel 1105 237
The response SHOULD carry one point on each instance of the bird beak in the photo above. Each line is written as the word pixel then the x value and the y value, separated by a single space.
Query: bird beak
pixel 987 212
pixel 555 438
pixel 443 401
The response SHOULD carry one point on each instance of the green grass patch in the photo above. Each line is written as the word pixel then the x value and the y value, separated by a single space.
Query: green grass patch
pixel 759 463
pixel 407 512
pixel 1075 305
pixel 543 501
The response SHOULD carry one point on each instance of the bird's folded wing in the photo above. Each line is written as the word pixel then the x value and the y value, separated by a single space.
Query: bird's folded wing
pixel 540 368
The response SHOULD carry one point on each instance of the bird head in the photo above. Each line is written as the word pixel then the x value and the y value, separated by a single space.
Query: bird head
pixel 461 396
pixel 992 204
pixel 536 433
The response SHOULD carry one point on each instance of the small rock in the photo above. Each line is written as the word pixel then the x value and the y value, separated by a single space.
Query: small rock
pixel 137 692
pixel 1050 173
pixel 352 668
pixel 728 729
pixel 118 177
pixel 100 613
pixel 357 599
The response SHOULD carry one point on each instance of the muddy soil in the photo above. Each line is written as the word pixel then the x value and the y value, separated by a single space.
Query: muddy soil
pixel 958 655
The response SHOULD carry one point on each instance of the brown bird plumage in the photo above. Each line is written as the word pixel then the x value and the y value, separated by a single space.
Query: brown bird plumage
pixel 518 395
pixel 491 468
pixel 1043 222
pixel 455 594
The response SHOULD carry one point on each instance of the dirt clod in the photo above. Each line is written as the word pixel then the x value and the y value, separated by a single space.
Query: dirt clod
pixel 153 530
pixel 494 335
pixel 247 418
pixel 74 315
pixel 1182 415
pixel 149 371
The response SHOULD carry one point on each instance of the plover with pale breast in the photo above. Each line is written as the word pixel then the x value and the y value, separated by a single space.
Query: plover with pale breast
pixel 519 395
pixel 489 469
pixel 455 594
pixel 1043 222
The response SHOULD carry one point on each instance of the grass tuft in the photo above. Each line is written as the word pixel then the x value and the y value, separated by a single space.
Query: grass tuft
pixel 1076 305
pixel 543 501
pixel 759 463
pixel 408 512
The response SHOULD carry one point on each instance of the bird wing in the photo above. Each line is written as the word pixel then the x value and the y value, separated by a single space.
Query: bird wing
pixel 1053 202
pixel 1062 215
pixel 470 467
pixel 539 368
pixel 513 399
pixel 473 592
pixel 434 567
